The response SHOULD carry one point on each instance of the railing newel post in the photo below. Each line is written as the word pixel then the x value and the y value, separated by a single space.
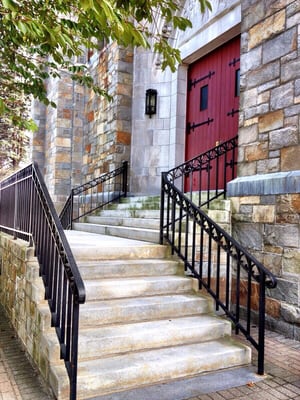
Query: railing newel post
pixel 125 177
pixel 261 326
pixel 162 210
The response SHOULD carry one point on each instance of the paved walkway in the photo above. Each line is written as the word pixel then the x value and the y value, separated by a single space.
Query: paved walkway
pixel 19 381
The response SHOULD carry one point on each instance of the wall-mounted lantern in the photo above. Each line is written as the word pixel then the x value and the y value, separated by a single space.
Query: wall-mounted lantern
pixel 151 102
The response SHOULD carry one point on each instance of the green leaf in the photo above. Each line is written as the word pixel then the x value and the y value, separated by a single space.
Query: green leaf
pixel 10 5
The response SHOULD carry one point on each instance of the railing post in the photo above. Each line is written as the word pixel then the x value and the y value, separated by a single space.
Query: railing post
pixel 162 210
pixel 74 354
pixel 15 206
pixel 71 209
pixel 261 328
pixel 125 175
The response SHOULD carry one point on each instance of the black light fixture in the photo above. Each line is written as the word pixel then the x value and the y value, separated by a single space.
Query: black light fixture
pixel 151 102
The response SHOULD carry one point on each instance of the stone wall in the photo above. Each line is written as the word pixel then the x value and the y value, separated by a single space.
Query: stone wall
pixel 108 123
pixel 270 87
pixel 266 194
pixel 22 296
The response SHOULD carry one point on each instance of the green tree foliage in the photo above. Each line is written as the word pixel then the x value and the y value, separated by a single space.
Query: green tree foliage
pixel 13 138
pixel 39 38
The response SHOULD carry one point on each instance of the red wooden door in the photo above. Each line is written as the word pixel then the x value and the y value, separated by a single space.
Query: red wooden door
pixel 213 102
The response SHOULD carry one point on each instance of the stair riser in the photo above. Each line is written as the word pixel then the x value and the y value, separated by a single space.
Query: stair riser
pixel 113 253
pixel 131 213
pixel 146 223
pixel 139 199
pixel 141 311
pixel 138 205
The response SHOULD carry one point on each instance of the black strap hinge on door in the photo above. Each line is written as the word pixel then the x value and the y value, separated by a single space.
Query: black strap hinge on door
pixel 193 126
pixel 195 81
pixel 233 62
pixel 232 112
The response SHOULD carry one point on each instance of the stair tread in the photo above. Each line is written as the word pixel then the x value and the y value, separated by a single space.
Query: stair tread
pixel 93 246
pixel 195 350
pixel 150 300
pixel 136 286
pixel 150 334
pixel 128 268
pixel 120 227
pixel 135 369
pixel 106 312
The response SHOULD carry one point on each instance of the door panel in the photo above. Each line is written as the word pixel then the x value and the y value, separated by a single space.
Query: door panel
pixel 212 102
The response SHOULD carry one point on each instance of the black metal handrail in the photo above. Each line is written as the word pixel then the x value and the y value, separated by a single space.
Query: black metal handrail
pixel 214 167
pixel 27 212
pixel 231 275
pixel 95 194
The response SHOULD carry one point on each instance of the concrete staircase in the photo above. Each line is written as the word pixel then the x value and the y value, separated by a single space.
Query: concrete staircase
pixel 132 218
pixel 142 323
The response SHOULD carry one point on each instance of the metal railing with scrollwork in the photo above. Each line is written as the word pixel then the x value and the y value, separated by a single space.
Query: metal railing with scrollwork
pixel 27 212
pixel 95 194
pixel 230 274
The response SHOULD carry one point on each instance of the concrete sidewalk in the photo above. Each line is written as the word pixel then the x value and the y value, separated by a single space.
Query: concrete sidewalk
pixel 18 380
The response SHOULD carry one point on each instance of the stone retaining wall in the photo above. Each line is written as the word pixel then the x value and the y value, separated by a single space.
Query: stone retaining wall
pixel 22 296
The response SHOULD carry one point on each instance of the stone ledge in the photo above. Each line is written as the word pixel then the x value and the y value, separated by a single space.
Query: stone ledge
pixel 265 184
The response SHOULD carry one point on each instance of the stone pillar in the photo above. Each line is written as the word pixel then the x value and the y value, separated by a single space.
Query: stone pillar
pixel 266 194
pixel 57 145
pixel 108 122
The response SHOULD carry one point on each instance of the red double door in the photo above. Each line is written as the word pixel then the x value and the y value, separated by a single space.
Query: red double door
pixel 213 100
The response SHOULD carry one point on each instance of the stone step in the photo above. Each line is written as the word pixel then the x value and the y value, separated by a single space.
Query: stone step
pixel 142 199
pixel 120 311
pixel 114 374
pixel 134 213
pixel 126 268
pixel 105 289
pixel 118 339
pixel 134 205
pixel 147 235
pixel 147 223
pixel 90 246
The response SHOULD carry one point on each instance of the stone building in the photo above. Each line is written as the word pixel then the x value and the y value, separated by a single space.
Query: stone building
pixel 86 135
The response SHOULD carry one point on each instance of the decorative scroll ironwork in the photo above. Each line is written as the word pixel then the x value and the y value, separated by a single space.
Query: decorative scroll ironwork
pixel 230 274
pixel 95 194
pixel 221 159
pixel 27 212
